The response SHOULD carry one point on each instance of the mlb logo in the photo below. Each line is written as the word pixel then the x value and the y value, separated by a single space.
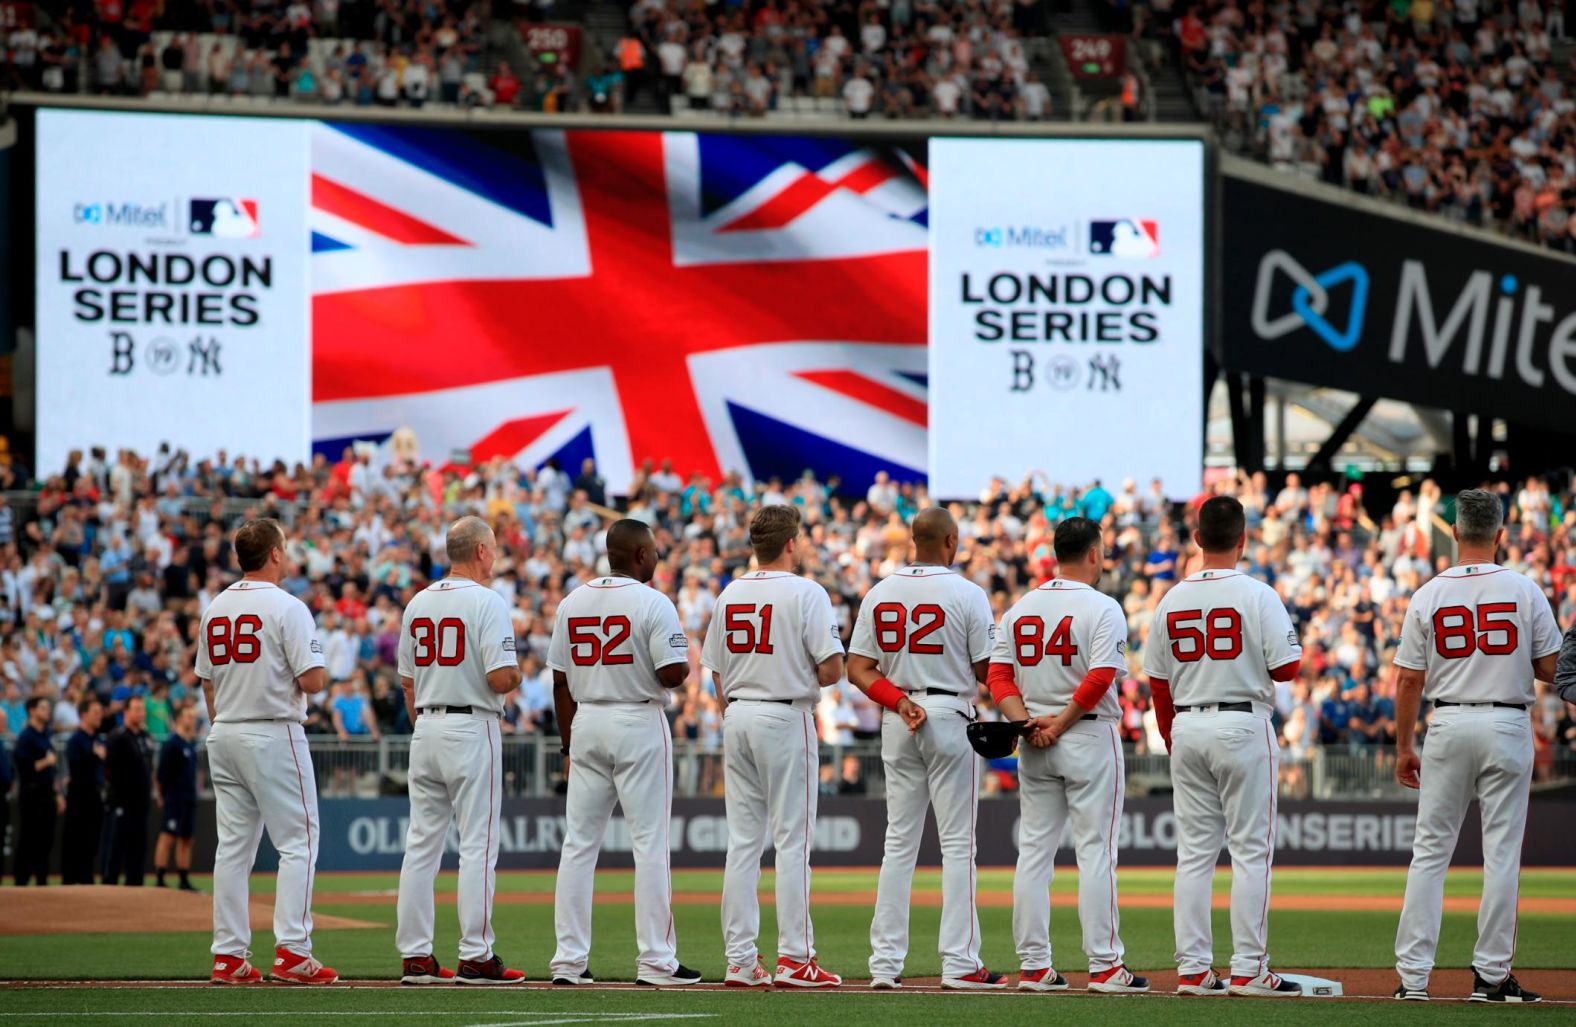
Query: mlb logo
pixel 1125 237
pixel 225 218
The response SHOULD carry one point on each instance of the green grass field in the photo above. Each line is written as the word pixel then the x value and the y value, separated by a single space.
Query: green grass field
pixel 1299 938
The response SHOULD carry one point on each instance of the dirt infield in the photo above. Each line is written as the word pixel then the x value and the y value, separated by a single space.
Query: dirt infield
pixel 98 908
pixel 995 900
pixel 1364 985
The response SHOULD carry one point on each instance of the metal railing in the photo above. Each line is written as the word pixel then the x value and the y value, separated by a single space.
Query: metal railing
pixel 532 767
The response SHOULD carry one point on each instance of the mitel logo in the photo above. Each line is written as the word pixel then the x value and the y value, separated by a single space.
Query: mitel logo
pixel 225 218
pixel 1027 237
pixel 1132 238
pixel 122 215
pixel 1310 300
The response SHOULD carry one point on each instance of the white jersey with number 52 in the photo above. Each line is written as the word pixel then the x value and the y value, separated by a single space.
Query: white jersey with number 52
pixel 254 641
pixel 611 637
pixel 1474 631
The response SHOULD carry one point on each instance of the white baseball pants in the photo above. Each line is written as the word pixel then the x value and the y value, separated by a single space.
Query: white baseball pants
pixel 771 759
pixel 1079 782
pixel 619 752
pixel 262 777
pixel 455 774
pixel 1482 753
pixel 934 768
pixel 1224 771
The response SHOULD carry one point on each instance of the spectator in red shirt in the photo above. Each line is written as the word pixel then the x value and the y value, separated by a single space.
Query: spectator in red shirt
pixel 505 86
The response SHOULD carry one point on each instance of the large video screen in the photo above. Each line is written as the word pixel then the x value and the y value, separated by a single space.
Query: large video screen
pixel 1067 311
pixel 731 302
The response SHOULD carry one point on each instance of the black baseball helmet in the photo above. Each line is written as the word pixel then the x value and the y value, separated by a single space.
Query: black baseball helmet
pixel 995 739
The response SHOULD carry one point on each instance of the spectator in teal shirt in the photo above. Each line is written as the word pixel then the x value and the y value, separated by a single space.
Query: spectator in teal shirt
pixel 1095 502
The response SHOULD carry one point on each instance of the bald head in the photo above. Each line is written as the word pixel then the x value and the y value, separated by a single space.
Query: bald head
pixel 935 536
pixel 631 549
pixel 465 535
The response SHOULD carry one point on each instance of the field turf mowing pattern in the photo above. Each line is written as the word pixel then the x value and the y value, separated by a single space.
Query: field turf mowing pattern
pixel 1333 937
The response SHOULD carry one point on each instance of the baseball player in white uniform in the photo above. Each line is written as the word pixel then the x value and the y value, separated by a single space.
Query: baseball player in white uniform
pixel 456 663
pixel 617 649
pixel 772 646
pixel 1474 640
pixel 1220 641
pixel 258 658
pixel 1059 650
pixel 920 648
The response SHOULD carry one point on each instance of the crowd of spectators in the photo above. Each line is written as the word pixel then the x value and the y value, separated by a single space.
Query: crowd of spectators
pixel 943 58
pixel 391 52
pixel 1461 107
pixel 104 574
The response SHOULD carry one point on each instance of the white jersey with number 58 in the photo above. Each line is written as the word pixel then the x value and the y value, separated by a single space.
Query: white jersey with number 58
pixel 1475 631
pixel 255 640
pixel 1216 636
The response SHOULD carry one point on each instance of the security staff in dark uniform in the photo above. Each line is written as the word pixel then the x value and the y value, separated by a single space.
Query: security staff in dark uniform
pixel 177 800
pixel 37 800
pixel 1565 668
pixel 79 840
pixel 128 767
pixel 7 776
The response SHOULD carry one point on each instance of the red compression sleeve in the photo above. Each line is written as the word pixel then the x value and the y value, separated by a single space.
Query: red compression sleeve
pixel 1002 682
pixel 1093 687
pixel 1286 672
pixel 885 693
pixel 1160 695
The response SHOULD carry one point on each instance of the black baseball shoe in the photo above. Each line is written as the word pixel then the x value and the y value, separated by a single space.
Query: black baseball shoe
pixel 679 978
pixel 583 977
pixel 1411 994
pixel 1508 990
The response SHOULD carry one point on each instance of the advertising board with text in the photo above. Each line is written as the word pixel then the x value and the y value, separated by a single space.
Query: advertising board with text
pixel 1066 312
pixel 172 299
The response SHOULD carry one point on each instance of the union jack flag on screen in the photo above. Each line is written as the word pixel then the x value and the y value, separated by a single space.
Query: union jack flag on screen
pixel 755 304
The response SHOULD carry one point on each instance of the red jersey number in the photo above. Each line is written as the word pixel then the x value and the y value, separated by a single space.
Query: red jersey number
pixel 595 640
pixel 892 622
pixel 234 641
pixel 1033 645
pixel 442 642
pixel 1196 634
pixel 748 627
pixel 1495 633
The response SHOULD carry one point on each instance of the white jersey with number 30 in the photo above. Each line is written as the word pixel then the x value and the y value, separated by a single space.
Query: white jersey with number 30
pixel 1054 636
pixel 455 633
pixel 1216 636
pixel 926 627
pixel 1474 631
pixel 255 640
pixel 768 633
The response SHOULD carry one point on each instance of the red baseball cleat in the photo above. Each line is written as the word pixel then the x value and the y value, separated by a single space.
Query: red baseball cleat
pixel 234 970
pixel 292 968
pixel 804 975
pixel 487 971
pixel 425 970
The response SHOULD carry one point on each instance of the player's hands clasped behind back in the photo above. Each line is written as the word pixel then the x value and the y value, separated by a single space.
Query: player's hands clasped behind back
pixel 1044 731
pixel 913 714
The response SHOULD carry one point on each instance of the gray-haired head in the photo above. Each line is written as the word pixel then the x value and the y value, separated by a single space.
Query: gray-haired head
pixel 1479 516
pixel 465 535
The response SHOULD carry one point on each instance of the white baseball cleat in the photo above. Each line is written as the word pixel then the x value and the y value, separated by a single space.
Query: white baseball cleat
pixel 886 983
pixel 1206 983
pixel 754 976
pixel 1265 985
pixel 1118 980
pixel 1044 979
